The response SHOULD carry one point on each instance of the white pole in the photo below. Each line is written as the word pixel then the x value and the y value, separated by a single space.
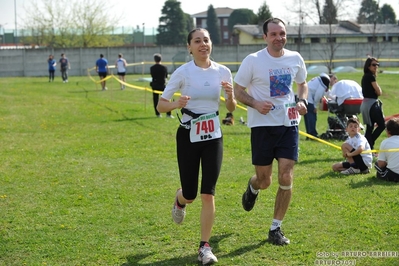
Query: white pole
pixel 15 15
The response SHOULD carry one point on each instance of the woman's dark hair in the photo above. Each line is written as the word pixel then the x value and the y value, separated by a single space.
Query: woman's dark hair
pixel 271 20
pixel 190 34
pixel 367 64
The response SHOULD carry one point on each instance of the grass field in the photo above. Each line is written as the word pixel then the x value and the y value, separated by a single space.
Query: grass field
pixel 88 178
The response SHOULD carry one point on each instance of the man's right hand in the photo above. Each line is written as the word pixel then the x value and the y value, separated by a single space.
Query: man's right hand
pixel 264 107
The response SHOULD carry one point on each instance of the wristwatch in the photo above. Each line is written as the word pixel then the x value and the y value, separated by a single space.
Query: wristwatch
pixel 304 101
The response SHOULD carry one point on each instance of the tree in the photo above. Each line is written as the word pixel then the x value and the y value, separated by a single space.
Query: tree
pixel 318 10
pixel 241 16
pixel 263 14
pixel 212 25
pixel 369 12
pixel 172 24
pixel 189 22
pixel 332 9
pixel 387 14
pixel 70 23
pixel 301 14
pixel 330 17
pixel 329 13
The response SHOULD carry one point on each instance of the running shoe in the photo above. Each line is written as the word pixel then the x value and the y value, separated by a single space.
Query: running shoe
pixel 178 213
pixel 277 237
pixel 205 255
pixel 248 198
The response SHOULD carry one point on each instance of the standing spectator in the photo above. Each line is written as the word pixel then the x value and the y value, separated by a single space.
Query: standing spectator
pixel 120 66
pixel 199 138
pixel 64 66
pixel 371 107
pixel 387 165
pixel 273 116
pixel 51 67
pixel 352 149
pixel 318 86
pixel 159 74
pixel 102 70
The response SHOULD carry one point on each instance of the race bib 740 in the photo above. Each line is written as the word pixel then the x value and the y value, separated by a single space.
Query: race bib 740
pixel 204 128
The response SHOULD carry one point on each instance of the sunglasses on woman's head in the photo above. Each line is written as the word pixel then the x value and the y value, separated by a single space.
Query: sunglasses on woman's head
pixel 375 64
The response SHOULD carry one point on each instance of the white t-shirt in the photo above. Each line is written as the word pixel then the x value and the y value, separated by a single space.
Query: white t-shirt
pixel 392 158
pixel 120 65
pixel 357 141
pixel 270 78
pixel 203 85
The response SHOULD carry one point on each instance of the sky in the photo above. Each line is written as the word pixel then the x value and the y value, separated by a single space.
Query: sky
pixel 134 13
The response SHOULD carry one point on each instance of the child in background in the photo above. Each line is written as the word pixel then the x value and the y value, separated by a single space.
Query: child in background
pixel 51 68
pixel 387 165
pixel 356 161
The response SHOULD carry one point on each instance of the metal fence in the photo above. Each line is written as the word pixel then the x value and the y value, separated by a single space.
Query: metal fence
pixel 33 62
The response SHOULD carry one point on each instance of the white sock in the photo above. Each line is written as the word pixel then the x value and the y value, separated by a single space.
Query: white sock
pixel 276 223
pixel 254 191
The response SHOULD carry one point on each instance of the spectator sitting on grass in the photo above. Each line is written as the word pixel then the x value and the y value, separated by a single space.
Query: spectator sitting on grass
pixel 356 161
pixel 387 165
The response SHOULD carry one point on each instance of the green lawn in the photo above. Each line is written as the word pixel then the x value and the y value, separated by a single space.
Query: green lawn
pixel 88 178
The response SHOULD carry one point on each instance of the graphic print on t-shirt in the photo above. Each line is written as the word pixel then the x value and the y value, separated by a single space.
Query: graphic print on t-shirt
pixel 280 80
pixel 64 63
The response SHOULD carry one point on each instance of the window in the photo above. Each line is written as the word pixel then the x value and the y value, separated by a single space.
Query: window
pixel 388 39
pixel 203 23
pixel 297 40
pixel 225 22
pixel 225 35
pixel 372 39
pixel 315 40
pixel 331 40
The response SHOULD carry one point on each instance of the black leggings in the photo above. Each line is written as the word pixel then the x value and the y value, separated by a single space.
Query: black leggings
pixel 190 155
pixel 51 74
pixel 376 117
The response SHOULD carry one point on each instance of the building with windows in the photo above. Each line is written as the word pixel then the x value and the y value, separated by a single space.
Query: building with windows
pixel 223 14
pixel 343 32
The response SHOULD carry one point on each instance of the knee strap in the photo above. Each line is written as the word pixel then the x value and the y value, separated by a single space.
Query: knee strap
pixel 286 187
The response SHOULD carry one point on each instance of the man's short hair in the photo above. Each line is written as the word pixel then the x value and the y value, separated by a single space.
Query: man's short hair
pixel 392 126
pixel 353 120
pixel 157 58
pixel 271 20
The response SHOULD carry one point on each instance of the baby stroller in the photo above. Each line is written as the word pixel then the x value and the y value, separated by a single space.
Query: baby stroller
pixel 348 97
pixel 339 115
